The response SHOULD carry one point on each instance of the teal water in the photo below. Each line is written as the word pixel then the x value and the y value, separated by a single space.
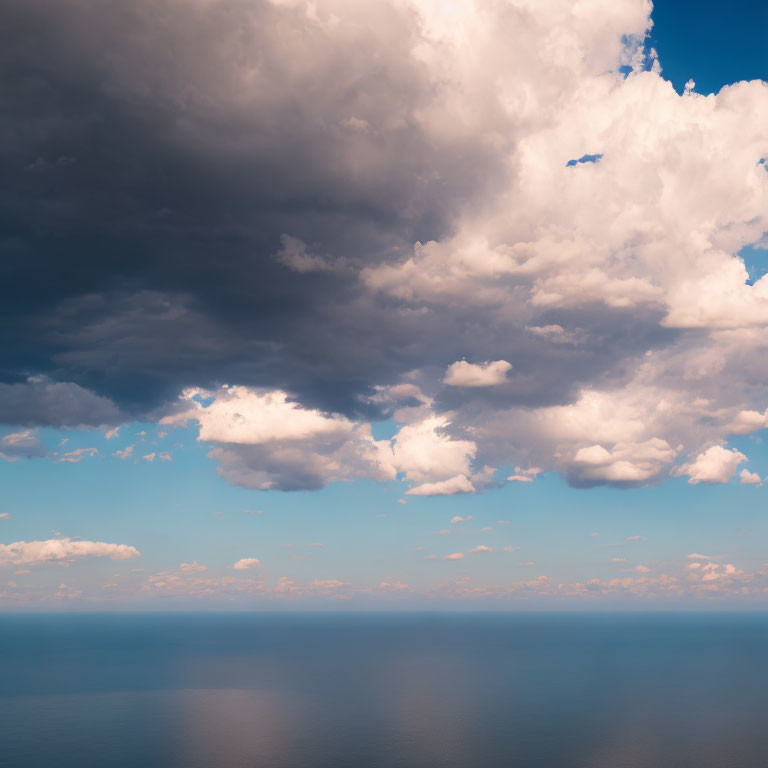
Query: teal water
pixel 384 690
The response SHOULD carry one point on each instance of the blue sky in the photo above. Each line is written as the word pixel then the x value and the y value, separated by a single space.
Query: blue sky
pixel 436 433
pixel 359 533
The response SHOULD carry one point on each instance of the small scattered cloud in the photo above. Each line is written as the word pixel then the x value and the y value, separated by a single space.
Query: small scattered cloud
pixel 246 563
pixel 393 585
pixel 524 475
pixel 750 478
pixel 454 556
pixel 76 456
pixel 481 548
pixel 150 457
pixel 125 453
pixel 193 567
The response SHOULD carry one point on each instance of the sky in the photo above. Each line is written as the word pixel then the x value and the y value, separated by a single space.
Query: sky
pixel 399 305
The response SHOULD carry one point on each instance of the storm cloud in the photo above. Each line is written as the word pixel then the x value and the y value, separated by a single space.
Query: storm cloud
pixel 372 210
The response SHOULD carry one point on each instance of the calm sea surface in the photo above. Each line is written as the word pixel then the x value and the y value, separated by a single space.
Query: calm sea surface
pixel 384 691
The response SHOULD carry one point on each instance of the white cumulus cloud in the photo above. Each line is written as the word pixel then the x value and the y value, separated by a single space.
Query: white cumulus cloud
pixel 716 465
pixel 61 550
pixel 464 374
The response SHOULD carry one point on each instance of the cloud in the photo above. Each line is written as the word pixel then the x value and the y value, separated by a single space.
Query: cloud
pixel 464 374
pixel 524 475
pixel 454 556
pixel 716 465
pixel 61 551
pixel 428 455
pixel 150 457
pixel 554 333
pixel 748 421
pixel 329 229
pixel 240 415
pixel 457 484
pixel 125 453
pixel 750 478
pixel 630 463
pixel 460 519
pixel 710 572
pixel 21 445
pixel 5 515
pixel 696 556
pixel 481 548
pixel 393 586
pixel 267 441
pixel 246 563
pixel 193 567
pixel 76 456
pixel 39 401
pixel 295 255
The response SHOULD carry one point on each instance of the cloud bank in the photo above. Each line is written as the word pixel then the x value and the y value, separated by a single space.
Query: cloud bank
pixel 496 224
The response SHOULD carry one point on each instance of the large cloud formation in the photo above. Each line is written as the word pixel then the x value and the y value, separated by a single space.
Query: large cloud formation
pixel 495 222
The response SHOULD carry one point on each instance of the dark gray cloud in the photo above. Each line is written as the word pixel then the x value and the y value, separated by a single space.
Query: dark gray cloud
pixel 42 402
pixel 154 153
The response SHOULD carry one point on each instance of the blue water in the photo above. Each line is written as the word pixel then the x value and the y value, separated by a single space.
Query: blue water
pixel 393 690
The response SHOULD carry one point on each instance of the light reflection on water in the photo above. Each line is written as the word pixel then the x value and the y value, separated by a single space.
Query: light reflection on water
pixel 279 691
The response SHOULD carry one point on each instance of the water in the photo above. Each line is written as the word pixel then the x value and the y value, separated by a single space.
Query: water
pixel 384 691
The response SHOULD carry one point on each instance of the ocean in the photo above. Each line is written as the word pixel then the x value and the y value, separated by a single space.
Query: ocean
pixel 312 690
